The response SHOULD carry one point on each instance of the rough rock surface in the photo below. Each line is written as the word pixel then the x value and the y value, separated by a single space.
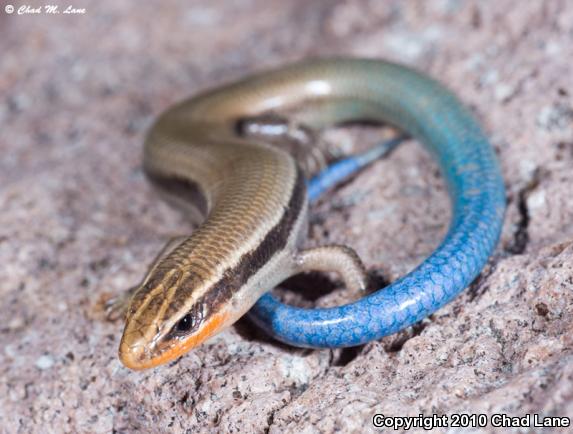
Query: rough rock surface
pixel 79 220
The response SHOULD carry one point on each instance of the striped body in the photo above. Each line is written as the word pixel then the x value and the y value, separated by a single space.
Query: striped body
pixel 256 216
pixel 253 200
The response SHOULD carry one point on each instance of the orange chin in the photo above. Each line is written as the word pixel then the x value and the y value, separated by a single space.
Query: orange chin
pixel 132 359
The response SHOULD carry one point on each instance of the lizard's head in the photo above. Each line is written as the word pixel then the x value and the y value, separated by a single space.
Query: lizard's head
pixel 165 320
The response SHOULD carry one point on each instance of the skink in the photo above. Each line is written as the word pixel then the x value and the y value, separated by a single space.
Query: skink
pixel 209 155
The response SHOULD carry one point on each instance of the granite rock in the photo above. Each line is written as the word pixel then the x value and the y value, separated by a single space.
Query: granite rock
pixel 78 219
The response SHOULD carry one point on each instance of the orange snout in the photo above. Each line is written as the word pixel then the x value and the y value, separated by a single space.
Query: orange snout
pixel 137 354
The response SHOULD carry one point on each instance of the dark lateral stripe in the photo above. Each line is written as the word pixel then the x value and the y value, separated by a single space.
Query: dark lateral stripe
pixel 186 188
pixel 275 240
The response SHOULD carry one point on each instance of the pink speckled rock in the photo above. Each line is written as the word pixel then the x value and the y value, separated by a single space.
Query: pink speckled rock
pixel 78 219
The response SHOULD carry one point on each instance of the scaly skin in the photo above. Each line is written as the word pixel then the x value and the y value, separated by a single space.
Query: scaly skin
pixel 255 206
pixel 430 113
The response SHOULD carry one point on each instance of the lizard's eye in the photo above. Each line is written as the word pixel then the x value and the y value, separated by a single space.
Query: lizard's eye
pixel 185 324
pixel 190 322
